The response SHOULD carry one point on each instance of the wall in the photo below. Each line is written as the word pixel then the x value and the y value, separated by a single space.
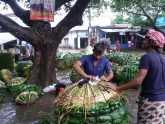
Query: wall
pixel 72 37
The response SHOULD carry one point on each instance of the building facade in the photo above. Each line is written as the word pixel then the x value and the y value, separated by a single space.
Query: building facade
pixel 78 36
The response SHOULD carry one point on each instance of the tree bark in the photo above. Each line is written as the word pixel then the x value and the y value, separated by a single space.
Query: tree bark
pixel 43 69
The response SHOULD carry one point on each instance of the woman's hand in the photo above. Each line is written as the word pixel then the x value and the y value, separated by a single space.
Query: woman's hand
pixel 111 86
pixel 103 78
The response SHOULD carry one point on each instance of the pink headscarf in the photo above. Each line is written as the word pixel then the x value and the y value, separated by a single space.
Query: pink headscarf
pixel 156 37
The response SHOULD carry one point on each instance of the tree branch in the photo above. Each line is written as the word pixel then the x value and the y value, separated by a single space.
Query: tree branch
pixel 18 31
pixel 156 15
pixel 59 3
pixel 132 12
pixel 72 19
pixel 148 17
pixel 23 14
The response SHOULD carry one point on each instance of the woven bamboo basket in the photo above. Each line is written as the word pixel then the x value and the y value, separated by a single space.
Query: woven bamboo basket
pixel 90 104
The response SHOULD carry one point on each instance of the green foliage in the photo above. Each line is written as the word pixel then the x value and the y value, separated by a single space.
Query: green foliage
pixel 2 93
pixel 22 50
pixel 151 9
pixel 74 76
pixel 110 112
pixel 125 66
pixel 2 90
pixel 6 61
pixel 5 75
pixel 44 121
pixel 23 68
pixel 134 20
pixel 97 7
pixel 64 61
pixel 17 89
pixel 25 93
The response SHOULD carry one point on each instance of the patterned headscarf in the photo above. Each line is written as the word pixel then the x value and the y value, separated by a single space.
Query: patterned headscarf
pixel 156 38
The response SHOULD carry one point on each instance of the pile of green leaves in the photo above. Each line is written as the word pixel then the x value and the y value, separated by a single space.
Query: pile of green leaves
pixel 2 90
pixel 74 76
pixel 24 93
pixel 6 61
pixel 16 90
pixel 65 61
pixel 5 75
pixel 123 74
pixel 124 66
pixel 122 58
pixel 23 68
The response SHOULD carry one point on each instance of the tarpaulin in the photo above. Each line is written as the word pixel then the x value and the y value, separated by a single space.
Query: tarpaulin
pixel 42 10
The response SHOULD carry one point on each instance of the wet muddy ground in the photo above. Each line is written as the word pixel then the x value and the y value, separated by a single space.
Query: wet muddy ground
pixel 11 113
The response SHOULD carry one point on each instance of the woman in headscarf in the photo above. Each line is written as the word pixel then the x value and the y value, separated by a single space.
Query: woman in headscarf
pixel 151 77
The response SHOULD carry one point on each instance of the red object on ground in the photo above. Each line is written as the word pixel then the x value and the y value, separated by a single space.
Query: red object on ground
pixel 60 90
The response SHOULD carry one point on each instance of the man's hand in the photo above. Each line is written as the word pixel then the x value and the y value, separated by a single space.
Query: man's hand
pixel 92 78
pixel 111 86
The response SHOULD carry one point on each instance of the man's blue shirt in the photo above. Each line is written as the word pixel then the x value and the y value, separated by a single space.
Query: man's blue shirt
pixel 87 62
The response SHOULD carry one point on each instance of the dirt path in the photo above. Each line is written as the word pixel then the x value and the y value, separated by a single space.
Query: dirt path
pixel 132 105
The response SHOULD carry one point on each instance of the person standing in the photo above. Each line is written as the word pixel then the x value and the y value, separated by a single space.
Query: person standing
pixel 89 49
pixel 17 52
pixel 151 77
pixel 108 44
pixel 129 44
pixel 28 53
pixel 94 65
pixel 32 53
pixel 117 46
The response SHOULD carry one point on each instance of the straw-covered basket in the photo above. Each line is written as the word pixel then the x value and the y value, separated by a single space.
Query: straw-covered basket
pixel 90 104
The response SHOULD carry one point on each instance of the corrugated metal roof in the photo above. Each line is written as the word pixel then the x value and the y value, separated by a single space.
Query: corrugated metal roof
pixel 6 37
pixel 117 30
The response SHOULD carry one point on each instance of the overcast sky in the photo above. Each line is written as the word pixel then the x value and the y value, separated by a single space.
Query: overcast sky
pixel 103 20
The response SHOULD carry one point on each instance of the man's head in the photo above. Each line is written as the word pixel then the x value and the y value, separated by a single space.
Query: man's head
pixel 108 40
pixel 98 50
pixel 93 42
pixel 154 39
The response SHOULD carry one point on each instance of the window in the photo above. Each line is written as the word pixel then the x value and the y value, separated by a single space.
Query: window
pixel 66 42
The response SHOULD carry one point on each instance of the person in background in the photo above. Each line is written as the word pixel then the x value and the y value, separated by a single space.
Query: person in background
pixel 94 65
pixel 17 52
pixel 108 44
pixel 129 44
pixel 32 54
pixel 151 77
pixel 89 49
pixel 28 53
pixel 117 46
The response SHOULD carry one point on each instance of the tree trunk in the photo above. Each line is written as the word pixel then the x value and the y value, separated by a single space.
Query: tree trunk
pixel 43 70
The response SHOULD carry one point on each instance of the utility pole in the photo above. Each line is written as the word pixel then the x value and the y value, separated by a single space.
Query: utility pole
pixel 89 25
